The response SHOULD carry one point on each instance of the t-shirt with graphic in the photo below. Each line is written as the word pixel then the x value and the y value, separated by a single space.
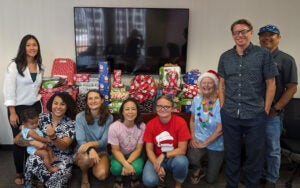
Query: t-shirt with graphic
pixel 165 137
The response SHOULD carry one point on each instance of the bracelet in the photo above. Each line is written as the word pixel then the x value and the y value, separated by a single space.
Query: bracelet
pixel 89 149
pixel 276 110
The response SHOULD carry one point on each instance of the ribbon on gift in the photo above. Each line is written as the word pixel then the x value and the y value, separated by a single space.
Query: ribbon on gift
pixel 172 78
pixel 142 88
pixel 191 77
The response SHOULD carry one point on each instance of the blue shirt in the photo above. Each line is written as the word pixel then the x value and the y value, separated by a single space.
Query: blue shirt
pixel 87 133
pixel 245 77
pixel 203 132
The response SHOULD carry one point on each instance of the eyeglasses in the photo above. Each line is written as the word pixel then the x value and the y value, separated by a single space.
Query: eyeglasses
pixel 159 107
pixel 243 32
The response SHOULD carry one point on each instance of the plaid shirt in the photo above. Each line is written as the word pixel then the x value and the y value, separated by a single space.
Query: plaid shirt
pixel 245 77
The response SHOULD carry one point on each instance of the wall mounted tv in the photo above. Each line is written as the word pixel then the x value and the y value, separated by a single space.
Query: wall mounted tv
pixel 135 40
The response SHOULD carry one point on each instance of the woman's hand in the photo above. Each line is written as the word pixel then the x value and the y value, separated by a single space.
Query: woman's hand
pixel 194 143
pixel 14 120
pixel 94 157
pixel 50 131
pixel 161 173
pixel 158 162
pixel 128 170
pixel 84 147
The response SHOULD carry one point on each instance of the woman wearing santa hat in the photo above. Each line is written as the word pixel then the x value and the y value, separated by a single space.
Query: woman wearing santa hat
pixel 206 130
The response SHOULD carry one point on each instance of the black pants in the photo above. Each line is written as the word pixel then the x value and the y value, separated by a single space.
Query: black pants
pixel 254 131
pixel 19 153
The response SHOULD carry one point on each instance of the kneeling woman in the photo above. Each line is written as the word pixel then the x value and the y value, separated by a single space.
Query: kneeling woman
pixel 91 135
pixel 126 139
pixel 166 137
pixel 60 128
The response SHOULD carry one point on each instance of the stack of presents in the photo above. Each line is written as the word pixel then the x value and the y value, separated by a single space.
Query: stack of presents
pixel 143 88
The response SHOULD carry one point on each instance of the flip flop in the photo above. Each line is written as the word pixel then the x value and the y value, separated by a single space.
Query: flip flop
pixel 134 182
pixel 85 185
pixel 19 179
pixel 195 179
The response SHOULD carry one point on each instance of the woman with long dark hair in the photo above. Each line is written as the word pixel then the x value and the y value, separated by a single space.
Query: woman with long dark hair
pixel 22 82
pixel 126 139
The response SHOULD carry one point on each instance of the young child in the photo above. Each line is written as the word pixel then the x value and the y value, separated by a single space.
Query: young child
pixel 30 131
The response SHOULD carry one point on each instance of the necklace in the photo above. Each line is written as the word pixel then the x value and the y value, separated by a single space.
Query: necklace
pixel 204 118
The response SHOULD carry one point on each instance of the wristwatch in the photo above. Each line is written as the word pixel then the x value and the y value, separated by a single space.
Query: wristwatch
pixel 276 110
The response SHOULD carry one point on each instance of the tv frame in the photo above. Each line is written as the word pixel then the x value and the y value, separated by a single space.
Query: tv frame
pixel 167 57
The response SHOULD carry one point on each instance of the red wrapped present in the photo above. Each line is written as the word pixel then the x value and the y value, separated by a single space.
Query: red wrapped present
pixel 81 77
pixel 64 66
pixel 47 93
pixel 117 82
pixel 142 88
pixel 190 90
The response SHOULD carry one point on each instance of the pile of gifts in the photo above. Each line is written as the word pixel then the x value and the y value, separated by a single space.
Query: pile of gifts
pixel 143 88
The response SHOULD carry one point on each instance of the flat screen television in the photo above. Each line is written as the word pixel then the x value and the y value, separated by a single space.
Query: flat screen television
pixel 135 40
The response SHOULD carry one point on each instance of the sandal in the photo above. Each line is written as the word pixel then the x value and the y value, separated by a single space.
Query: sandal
pixel 134 182
pixel 19 179
pixel 195 179
pixel 162 183
pixel 118 183
pixel 85 185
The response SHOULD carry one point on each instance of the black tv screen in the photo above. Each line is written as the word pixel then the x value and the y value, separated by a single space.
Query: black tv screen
pixel 135 40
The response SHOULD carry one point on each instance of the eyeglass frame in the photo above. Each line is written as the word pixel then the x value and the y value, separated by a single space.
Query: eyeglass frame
pixel 243 32
pixel 165 107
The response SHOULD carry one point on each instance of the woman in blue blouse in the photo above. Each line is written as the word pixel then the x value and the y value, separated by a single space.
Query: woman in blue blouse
pixel 206 130
pixel 91 134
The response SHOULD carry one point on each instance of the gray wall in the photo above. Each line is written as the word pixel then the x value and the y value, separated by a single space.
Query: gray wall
pixel 51 21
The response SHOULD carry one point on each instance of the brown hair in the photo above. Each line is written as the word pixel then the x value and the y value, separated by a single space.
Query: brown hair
pixel 165 97
pixel 104 113
pixel 243 22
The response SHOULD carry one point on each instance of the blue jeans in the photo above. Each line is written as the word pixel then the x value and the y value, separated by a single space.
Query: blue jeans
pixel 272 152
pixel 253 130
pixel 177 166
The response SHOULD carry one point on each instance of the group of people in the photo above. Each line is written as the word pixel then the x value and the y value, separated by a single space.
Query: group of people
pixel 240 104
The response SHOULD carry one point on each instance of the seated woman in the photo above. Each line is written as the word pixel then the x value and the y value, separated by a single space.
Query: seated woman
pixel 91 135
pixel 60 128
pixel 206 130
pixel 126 139
pixel 166 137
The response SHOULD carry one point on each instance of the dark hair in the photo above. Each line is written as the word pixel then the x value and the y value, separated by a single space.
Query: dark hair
pixel 104 113
pixel 21 59
pixel 66 98
pixel 29 113
pixel 243 22
pixel 138 119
